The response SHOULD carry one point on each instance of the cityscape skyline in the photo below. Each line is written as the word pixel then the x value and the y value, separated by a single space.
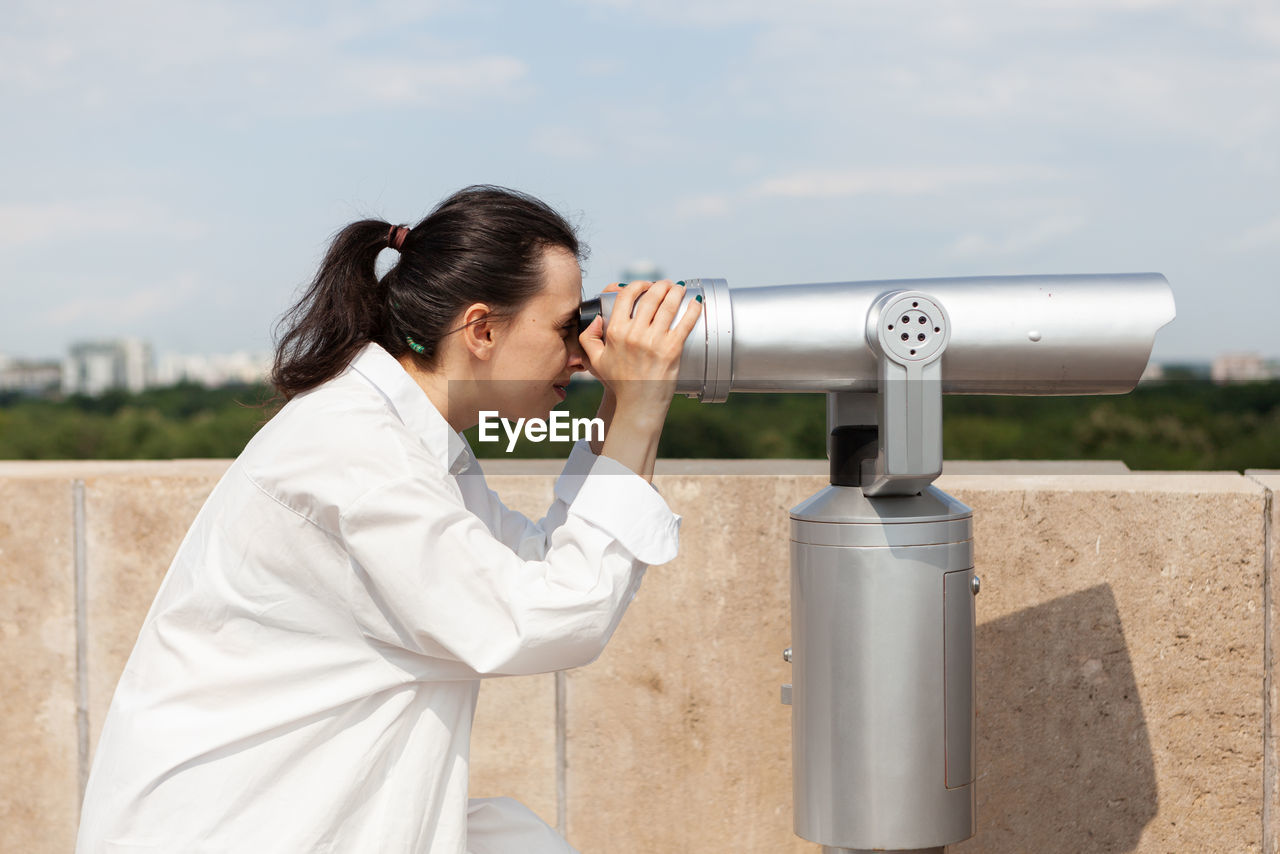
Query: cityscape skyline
pixel 132 364
pixel 175 173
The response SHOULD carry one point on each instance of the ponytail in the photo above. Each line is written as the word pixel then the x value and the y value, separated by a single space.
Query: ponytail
pixel 338 314
pixel 482 244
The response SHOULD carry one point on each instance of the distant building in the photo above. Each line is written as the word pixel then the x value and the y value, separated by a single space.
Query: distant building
pixel 1240 368
pixel 94 367
pixel 29 377
pixel 643 270
pixel 211 371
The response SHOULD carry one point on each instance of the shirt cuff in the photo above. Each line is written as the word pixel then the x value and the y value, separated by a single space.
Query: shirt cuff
pixel 575 471
pixel 619 502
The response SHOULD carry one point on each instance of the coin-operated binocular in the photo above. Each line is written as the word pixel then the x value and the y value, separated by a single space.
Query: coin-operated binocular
pixel 882 575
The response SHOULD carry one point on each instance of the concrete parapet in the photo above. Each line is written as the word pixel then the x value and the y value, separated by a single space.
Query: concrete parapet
pixel 1125 698
pixel 1120 649
pixel 677 739
pixel 134 523
pixel 1270 480
pixel 39 732
pixel 1119 684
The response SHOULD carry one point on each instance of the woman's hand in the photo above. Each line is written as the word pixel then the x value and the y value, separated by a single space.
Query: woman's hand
pixel 641 356
pixel 638 364
pixel 608 403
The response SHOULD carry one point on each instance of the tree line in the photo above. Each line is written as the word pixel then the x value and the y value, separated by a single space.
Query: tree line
pixel 1183 424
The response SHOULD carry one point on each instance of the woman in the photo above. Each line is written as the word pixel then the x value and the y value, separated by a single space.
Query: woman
pixel 307 676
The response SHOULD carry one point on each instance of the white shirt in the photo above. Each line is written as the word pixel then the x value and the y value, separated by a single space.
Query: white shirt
pixel 307 675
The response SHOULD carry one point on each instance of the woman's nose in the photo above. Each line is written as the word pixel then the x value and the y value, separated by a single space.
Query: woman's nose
pixel 577 356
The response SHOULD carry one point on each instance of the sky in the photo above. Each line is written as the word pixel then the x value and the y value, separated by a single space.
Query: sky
pixel 174 171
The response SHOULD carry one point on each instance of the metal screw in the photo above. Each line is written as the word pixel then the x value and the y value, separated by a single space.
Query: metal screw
pixel 976 584
pixel 786 654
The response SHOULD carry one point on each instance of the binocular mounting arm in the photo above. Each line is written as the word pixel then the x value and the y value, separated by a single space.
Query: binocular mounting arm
pixel 889 442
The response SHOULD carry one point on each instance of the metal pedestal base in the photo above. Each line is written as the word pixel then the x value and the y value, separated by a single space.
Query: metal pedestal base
pixel 827 849
pixel 882 623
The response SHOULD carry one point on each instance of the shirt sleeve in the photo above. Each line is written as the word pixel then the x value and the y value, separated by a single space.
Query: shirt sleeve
pixel 530 539
pixel 440 584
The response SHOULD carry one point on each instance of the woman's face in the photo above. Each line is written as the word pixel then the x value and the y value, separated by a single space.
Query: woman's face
pixel 537 348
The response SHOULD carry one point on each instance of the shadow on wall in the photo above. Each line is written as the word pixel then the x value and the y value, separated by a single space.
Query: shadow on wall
pixel 1068 767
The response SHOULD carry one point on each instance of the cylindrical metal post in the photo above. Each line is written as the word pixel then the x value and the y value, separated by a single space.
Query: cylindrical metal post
pixel 882 669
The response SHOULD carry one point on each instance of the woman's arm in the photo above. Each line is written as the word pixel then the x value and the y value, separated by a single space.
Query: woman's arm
pixel 522 534
pixel 638 364
pixel 608 405
pixel 431 578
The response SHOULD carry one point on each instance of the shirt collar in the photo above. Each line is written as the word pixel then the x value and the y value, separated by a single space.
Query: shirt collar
pixel 414 408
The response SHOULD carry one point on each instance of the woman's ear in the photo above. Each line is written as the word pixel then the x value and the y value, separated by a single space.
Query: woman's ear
pixel 479 330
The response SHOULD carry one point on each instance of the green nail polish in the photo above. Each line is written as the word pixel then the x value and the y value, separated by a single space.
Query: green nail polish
pixel 698 297
pixel 622 284
pixel 681 284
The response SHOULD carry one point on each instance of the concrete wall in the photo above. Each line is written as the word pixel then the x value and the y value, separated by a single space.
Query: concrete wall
pixel 1125 698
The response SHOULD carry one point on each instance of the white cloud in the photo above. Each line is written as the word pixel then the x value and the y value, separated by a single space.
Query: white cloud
pixel 1217 100
pixel 1018 240
pixel 291 58
pixel 958 19
pixel 112 306
pixel 1264 23
pixel 1115 70
pixel 420 83
pixel 817 184
pixel 601 67
pixel 1261 236
pixel 705 206
pixel 49 222
pixel 746 164
pixel 563 141
pixel 631 134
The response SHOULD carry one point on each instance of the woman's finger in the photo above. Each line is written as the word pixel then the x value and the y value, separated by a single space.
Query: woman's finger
pixel 592 339
pixel 666 313
pixel 689 319
pixel 647 305
pixel 624 305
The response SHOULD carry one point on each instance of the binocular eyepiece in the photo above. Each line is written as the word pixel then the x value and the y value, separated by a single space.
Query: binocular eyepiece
pixel 587 312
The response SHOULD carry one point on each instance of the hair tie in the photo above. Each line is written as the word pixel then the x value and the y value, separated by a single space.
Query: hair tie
pixel 396 236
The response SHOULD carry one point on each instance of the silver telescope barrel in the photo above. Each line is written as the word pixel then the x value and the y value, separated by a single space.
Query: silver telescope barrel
pixel 1023 335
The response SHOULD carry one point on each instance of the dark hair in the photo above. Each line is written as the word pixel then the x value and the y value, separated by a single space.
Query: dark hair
pixel 482 244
